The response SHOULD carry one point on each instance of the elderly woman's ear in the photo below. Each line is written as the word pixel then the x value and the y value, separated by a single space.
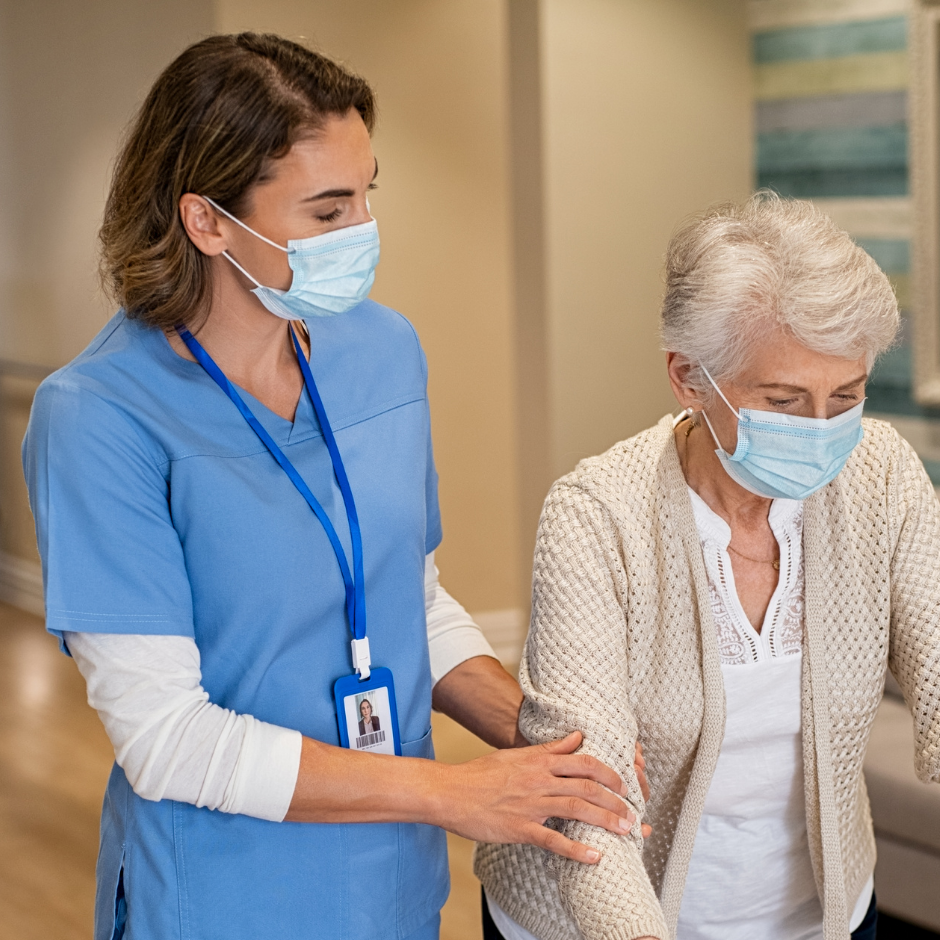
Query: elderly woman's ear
pixel 678 367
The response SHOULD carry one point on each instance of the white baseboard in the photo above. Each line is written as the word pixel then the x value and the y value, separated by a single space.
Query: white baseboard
pixel 21 583
pixel 505 630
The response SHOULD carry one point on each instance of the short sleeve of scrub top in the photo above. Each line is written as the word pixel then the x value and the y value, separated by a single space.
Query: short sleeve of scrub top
pixel 112 561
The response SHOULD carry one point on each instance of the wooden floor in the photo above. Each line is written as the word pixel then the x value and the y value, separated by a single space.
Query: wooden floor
pixel 54 762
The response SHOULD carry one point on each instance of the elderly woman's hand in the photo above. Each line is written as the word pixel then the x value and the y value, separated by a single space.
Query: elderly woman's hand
pixel 508 795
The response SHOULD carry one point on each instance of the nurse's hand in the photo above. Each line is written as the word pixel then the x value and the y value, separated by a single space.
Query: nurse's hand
pixel 507 796
pixel 480 695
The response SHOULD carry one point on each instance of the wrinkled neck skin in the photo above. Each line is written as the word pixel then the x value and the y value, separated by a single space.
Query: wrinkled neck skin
pixel 747 516
pixel 707 477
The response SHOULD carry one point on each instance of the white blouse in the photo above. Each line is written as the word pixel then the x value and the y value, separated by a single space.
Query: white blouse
pixel 750 874
pixel 781 633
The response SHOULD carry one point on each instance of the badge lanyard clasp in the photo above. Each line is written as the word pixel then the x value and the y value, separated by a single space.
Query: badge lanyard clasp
pixel 361 657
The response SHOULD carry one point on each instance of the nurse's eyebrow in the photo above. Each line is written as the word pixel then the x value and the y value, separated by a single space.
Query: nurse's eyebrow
pixel 339 193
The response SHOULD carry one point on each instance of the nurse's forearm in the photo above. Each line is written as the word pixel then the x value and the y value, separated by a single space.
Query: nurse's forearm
pixel 336 784
pixel 480 695
pixel 505 796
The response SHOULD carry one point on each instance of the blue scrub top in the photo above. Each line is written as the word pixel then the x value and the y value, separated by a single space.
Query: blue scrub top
pixel 159 511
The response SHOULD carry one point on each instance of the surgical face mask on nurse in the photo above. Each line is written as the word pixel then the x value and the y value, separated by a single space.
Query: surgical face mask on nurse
pixel 332 272
pixel 782 456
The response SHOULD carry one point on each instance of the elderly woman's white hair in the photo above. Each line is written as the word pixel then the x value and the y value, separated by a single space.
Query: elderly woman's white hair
pixel 737 271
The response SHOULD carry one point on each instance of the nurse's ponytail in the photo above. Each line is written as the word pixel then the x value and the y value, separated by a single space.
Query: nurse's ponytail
pixel 211 124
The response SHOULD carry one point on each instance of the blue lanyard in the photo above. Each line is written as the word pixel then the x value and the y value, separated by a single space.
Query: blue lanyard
pixel 355 583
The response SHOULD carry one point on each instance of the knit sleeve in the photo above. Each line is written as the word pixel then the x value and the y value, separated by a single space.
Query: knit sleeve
pixel 574 676
pixel 914 654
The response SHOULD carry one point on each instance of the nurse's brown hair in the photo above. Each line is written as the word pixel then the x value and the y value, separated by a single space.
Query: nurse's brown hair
pixel 211 125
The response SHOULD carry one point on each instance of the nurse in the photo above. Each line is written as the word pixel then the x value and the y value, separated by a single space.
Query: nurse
pixel 236 506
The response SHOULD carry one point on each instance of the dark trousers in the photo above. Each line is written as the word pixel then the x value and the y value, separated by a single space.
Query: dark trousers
pixel 867 928
pixel 490 930
pixel 864 931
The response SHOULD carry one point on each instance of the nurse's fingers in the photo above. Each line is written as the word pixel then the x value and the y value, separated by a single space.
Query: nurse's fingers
pixel 500 797
pixel 563 763
pixel 578 810
pixel 566 745
pixel 585 767
pixel 590 791
pixel 557 843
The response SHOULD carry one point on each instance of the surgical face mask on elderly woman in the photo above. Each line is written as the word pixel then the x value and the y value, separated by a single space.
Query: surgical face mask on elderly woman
pixel 783 456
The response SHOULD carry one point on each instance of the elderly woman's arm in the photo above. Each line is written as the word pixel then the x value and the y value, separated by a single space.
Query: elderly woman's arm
pixel 914 655
pixel 574 676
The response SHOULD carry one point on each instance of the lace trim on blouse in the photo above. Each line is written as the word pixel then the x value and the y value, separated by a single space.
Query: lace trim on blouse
pixel 782 630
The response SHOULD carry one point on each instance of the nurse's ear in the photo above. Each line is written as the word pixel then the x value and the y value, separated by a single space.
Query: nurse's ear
pixel 202 224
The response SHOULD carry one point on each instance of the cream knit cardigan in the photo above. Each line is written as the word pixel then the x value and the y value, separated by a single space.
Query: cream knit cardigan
pixel 622 645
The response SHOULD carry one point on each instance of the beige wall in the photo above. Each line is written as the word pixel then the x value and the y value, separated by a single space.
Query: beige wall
pixel 627 116
pixel 534 154
pixel 647 118
pixel 71 75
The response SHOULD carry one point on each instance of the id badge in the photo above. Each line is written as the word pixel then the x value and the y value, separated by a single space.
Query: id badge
pixel 367 713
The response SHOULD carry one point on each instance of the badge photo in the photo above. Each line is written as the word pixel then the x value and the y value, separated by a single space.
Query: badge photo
pixel 367 713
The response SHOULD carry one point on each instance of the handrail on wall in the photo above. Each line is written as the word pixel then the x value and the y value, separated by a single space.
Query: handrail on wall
pixel 24 370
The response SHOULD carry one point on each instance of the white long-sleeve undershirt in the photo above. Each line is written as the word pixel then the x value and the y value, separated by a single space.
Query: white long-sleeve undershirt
pixel 173 743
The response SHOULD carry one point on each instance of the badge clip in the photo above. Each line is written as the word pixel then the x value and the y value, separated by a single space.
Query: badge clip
pixel 361 658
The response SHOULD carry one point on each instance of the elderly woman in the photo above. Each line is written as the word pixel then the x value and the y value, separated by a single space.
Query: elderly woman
pixel 737 580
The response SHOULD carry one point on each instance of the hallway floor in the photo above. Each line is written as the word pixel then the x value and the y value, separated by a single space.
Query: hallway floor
pixel 54 763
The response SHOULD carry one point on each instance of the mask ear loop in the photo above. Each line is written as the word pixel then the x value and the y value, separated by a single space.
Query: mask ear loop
pixel 725 400
pixel 225 254
pixel 712 430
pixel 247 228
pixel 720 392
